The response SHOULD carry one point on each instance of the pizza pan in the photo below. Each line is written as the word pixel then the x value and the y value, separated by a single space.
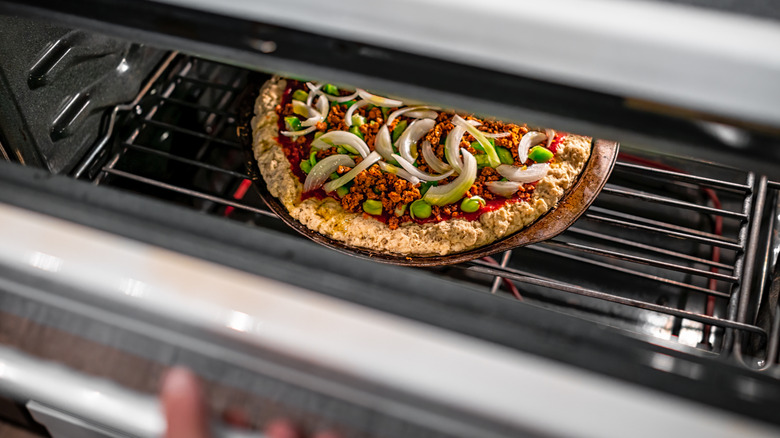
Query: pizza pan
pixel 572 205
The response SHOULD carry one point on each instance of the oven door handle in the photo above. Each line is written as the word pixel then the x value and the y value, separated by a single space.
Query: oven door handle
pixel 72 404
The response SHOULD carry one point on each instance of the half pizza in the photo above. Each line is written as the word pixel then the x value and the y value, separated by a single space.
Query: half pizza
pixel 374 173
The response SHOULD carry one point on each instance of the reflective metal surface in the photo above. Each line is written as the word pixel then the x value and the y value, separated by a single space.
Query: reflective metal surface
pixel 507 386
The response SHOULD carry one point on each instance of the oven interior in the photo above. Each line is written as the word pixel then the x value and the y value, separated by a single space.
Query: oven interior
pixel 675 250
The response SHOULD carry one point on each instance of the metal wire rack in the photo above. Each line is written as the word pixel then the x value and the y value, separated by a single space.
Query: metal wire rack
pixel 668 250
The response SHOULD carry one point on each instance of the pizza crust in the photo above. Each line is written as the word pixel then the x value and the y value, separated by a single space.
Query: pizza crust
pixel 327 217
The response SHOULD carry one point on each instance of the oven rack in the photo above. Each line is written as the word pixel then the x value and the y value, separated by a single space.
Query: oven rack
pixel 667 252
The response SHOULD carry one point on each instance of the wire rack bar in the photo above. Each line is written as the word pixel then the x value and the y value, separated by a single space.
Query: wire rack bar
pixel 637 259
pixel 188 192
pixel 666 231
pixel 522 277
pixel 632 272
pixel 595 209
pixel 749 261
pixel 497 281
pixel 737 291
pixel 663 200
pixel 654 249
pixel 686 177
pixel 207 84
pixel 174 128
pixel 180 159
pixel 204 108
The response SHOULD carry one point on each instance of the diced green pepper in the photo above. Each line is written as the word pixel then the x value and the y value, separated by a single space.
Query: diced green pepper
pixel 300 95
pixel 413 151
pixel 355 130
pixel 399 129
pixel 385 111
pixel 318 134
pixel 292 123
pixel 420 209
pixel 373 207
pixel 504 155
pixel 540 154
pixel 330 89
pixel 334 175
pixel 482 160
pixel 313 158
pixel 341 150
pixel 305 166
pixel 348 103
pixel 342 191
pixel 472 204
pixel 358 120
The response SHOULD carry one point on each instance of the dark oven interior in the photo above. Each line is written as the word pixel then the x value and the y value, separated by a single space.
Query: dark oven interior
pixel 675 250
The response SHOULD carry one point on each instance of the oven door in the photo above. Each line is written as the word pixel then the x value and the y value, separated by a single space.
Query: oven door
pixel 118 286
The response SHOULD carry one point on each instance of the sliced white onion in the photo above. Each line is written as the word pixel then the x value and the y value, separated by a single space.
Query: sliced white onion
pixel 452 148
pixel 531 138
pixel 383 143
pixel 341 99
pixel 395 170
pixel 308 130
pixel 409 167
pixel 323 107
pixel 379 100
pixel 312 121
pixel 314 92
pixel 312 95
pixel 503 188
pixel 532 173
pixel 452 145
pixel 329 139
pixel 490 150
pixel 431 158
pixel 401 111
pixel 452 192
pixel 550 133
pixel 323 169
pixel 422 114
pixel 352 109
pixel 320 114
pixel 412 134
pixel 367 162
pixel 496 135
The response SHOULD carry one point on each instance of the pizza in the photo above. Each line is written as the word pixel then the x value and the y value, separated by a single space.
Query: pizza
pixel 411 180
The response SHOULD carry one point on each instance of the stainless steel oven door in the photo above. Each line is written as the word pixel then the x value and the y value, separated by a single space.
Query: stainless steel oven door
pixel 174 287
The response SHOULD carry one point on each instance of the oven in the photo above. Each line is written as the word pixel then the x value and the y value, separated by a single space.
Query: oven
pixel 133 239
